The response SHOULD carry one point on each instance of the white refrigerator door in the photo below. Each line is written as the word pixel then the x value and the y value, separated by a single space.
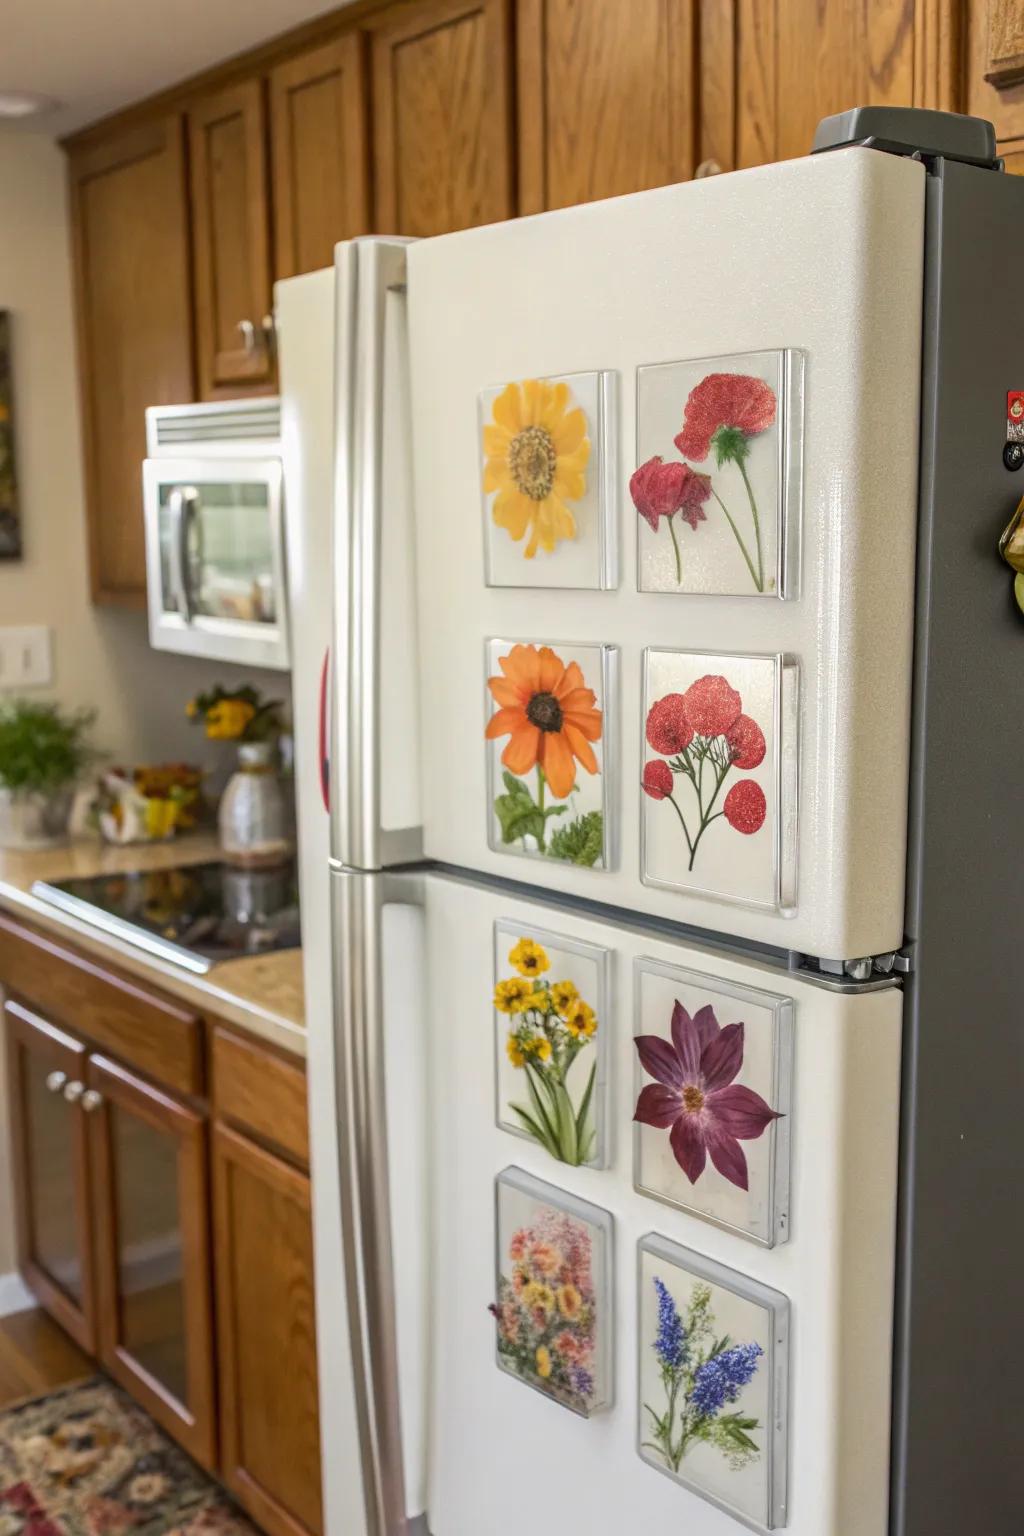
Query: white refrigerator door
pixel 505 1459
pixel 304 308
pixel 821 258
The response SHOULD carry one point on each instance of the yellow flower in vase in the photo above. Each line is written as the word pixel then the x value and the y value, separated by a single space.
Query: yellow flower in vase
pixel 537 450
pixel 227 719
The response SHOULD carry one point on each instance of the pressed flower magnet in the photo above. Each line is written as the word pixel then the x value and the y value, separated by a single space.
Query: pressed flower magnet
pixel 546 727
pixel 713 1376
pixel 551 1017
pixel 713 1083
pixel 549 481
pixel 718 777
pixel 717 487
pixel 553 1301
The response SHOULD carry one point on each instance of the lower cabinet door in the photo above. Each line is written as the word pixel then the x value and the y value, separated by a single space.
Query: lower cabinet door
pixel 269 1414
pixel 51 1163
pixel 151 1221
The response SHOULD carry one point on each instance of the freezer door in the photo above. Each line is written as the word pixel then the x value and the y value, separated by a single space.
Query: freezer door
pixel 512 1228
pixel 813 1233
pixel 375 808
pixel 804 279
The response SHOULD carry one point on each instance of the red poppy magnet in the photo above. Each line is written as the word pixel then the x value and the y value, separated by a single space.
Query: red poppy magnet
pixel 716 488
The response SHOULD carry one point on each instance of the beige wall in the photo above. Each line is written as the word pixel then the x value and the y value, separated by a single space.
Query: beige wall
pixel 101 657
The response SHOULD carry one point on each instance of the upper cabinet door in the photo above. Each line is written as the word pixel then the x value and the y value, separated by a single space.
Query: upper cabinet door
pixel 129 210
pixel 442 143
pixel 607 98
pixel 231 240
pixel 318 122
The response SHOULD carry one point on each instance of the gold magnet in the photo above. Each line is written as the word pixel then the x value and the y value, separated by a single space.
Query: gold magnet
pixel 1011 547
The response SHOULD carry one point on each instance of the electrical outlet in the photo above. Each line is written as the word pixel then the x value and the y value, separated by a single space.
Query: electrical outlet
pixel 26 656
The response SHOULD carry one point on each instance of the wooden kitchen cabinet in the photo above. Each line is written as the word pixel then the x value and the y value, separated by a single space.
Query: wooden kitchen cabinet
pixel 231 240
pixel 51 1169
pixel 133 310
pixel 607 98
pixel 995 73
pixel 442 125
pixel 320 153
pixel 151 1205
pixel 269 1414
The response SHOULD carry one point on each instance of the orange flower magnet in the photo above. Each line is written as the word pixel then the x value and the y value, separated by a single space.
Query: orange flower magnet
pixel 548 713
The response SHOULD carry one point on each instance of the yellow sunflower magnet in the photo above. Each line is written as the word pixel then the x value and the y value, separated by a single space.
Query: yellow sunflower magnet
pixel 544 478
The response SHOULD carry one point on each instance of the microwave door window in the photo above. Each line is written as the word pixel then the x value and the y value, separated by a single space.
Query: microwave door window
pixel 231 569
pixel 228 562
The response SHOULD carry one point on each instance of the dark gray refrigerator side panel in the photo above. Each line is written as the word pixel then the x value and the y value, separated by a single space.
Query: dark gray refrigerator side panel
pixel 958 1407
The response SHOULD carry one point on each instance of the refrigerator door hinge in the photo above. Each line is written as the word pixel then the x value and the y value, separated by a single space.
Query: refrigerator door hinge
pixel 865 972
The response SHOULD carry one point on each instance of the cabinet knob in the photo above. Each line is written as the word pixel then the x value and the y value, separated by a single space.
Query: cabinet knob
pixel 55 1081
pixel 91 1099
pixel 73 1091
pixel 707 168
pixel 268 325
pixel 248 331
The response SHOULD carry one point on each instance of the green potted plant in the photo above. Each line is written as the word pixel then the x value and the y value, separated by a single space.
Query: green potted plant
pixel 44 751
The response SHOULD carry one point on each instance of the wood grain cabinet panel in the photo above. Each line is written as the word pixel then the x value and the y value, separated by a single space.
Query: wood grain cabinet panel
pixel 320 150
pixel 442 136
pixel 153 1267
pixel 129 218
pixel 261 1093
pixel 51 1170
pixel 607 98
pixel 995 66
pixel 231 240
pixel 770 70
pixel 269 1413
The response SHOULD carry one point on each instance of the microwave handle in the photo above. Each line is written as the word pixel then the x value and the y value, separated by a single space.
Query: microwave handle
pixel 182 504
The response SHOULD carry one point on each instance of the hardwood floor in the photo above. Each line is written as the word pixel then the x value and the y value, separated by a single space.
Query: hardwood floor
pixel 37 1357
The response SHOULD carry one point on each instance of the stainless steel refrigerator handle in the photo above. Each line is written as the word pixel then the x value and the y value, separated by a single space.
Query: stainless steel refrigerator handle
pixel 181 506
pixel 367 270
pixel 356 903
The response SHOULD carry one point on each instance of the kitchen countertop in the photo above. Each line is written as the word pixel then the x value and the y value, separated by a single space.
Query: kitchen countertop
pixel 260 993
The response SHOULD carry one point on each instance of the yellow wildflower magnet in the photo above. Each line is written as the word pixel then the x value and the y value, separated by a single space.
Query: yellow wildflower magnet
pixel 529 958
pixel 563 995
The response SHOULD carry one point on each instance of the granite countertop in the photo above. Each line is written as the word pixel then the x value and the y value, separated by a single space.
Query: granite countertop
pixel 260 993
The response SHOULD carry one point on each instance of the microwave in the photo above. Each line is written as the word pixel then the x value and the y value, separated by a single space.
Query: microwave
pixel 215 562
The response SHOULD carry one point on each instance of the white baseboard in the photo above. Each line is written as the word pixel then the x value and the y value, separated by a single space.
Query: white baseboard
pixel 15 1295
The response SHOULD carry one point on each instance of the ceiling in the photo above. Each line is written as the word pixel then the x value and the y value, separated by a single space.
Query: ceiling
pixel 94 56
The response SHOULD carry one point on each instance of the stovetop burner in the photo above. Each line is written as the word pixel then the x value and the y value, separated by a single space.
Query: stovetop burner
pixel 193 915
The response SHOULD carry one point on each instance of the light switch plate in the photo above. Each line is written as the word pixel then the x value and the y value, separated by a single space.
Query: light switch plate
pixel 26 656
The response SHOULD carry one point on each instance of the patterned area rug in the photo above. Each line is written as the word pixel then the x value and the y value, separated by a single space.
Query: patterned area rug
pixel 86 1461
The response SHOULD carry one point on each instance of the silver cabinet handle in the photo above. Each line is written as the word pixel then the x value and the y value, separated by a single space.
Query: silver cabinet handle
pixel 707 168
pixel 55 1081
pixel 92 1100
pixel 248 331
pixel 365 271
pixel 73 1091
pixel 268 328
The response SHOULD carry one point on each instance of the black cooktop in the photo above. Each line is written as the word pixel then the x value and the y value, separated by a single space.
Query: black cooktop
pixel 193 915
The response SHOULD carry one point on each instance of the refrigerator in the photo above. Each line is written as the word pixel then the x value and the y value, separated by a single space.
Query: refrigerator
pixel 658 716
